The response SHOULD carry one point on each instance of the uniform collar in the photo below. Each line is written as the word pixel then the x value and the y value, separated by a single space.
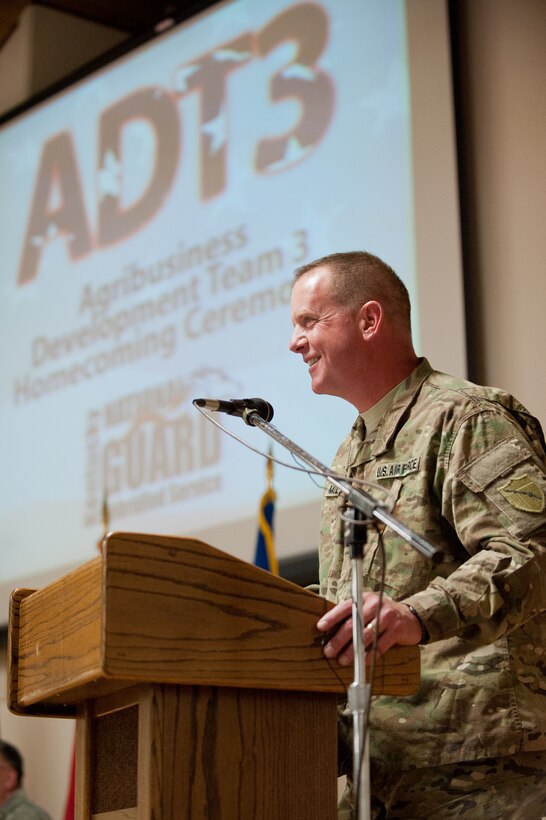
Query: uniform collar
pixel 391 421
pixel 405 397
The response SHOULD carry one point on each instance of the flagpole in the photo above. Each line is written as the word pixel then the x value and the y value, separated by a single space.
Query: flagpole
pixel 105 516
pixel 265 550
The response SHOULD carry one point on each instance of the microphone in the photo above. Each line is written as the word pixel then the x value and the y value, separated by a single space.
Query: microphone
pixel 238 407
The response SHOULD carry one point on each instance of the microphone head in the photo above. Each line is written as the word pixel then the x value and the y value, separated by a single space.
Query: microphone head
pixel 244 408
pixel 262 407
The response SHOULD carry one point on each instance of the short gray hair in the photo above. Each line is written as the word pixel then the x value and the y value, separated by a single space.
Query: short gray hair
pixel 358 277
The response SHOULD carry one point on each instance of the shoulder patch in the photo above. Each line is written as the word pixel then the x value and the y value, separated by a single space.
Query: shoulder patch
pixel 523 493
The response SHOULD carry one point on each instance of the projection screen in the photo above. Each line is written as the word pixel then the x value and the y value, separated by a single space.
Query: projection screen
pixel 153 213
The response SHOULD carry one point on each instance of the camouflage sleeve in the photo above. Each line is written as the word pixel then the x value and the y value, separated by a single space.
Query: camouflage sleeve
pixel 493 489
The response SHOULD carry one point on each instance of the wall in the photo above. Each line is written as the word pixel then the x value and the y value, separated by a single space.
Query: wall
pixel 499 70
pixel 46 745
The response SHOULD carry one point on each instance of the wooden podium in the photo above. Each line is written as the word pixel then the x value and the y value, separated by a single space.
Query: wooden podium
pixel 197 680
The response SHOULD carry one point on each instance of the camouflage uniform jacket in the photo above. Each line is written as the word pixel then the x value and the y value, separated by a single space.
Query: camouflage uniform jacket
pixel 465 467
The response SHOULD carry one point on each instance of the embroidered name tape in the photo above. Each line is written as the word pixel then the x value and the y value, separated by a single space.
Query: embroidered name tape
pixel 398 469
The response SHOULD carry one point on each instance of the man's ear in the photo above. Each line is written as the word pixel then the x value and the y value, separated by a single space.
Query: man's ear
pixel 370 319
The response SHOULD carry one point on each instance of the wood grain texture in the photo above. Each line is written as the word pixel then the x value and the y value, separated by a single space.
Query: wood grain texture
pixel 217 620
pixel 59 643
pixel 238 753
pixel 174 610
pixel 213 619
pixel 83 749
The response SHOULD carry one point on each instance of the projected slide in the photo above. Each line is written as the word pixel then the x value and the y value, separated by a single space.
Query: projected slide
pixel 152 216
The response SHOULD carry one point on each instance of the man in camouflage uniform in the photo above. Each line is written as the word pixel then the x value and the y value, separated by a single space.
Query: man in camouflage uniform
pixel 465 467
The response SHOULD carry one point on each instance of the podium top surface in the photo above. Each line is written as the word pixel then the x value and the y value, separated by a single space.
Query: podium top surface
pixel 173 610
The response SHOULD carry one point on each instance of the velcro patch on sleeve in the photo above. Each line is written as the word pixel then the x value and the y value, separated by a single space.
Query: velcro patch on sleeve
pixel 498 461
pixel 512 483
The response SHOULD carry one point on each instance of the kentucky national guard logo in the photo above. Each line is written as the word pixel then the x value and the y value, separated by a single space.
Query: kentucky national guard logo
pixel 524 494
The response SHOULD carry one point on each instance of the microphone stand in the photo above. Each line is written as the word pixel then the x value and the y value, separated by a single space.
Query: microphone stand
pixel 362 507
pixel 359 693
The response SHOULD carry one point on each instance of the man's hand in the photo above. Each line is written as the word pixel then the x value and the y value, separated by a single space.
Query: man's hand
pixel 395 624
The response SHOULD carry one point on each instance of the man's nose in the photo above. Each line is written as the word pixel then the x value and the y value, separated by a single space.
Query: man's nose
pixel 296 340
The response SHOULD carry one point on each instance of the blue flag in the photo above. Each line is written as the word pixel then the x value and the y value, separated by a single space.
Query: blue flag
pixel 265 544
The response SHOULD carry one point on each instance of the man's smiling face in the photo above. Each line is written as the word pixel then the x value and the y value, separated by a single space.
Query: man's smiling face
pixel 326 334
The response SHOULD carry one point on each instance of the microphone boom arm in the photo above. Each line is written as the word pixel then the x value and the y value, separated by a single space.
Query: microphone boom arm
pixel 358 498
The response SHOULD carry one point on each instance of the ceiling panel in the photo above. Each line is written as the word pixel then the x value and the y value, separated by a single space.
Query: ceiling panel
pixel 125 15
